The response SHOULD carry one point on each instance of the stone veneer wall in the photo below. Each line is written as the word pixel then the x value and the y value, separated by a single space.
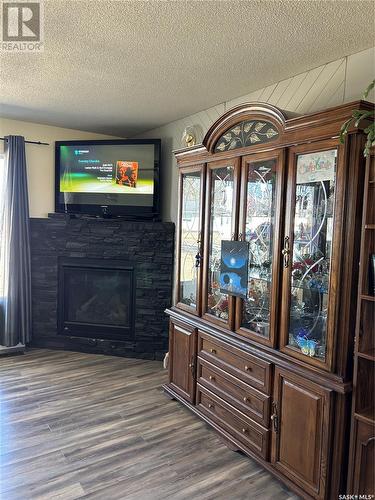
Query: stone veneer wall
pixel 148 245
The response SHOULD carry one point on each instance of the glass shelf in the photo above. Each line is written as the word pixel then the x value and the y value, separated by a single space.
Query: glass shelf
pixel 258 278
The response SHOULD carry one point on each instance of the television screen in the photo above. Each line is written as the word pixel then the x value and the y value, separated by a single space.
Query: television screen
pixel 107 177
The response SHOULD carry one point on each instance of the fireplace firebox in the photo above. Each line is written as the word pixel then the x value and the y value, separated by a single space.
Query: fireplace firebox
pixel 96 299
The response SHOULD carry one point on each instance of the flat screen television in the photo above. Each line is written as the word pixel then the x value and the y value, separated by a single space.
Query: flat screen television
pixel 108 178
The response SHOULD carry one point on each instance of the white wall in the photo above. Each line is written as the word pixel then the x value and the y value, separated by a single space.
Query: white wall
pixel 329 85
pixel 41 159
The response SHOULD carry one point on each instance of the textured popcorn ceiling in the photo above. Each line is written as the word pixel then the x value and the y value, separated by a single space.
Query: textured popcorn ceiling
pixel 121 67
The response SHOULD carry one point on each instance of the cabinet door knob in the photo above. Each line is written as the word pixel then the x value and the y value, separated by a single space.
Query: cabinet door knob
pixel 198 259
pixel 192 366
pixel 247 368
pixel 275 418
pixel 211 378
pixel 210 405
pixel 246 399
pixel 213 351
pixel 286 251
pixel 244 430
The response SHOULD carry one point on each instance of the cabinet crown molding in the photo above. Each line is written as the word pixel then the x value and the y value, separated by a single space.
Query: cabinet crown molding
pixel 254 111
pixel 291 127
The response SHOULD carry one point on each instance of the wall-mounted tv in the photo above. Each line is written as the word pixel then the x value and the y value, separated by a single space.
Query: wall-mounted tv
pixel 108 178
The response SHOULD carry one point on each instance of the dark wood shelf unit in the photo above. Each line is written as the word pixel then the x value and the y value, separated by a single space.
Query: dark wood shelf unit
pixel 366 415
pixel 369 354
pixel 271 370
pixel 370 298
pixel 361 477
pixel 364 386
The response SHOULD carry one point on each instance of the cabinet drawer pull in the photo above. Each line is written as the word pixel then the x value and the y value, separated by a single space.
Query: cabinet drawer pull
pixel 213 351
pixel 247 368
pixel 192 366
pixel 212 378
pixel 244 431
pixel 246 399
pixel 275 418
pixel 210 405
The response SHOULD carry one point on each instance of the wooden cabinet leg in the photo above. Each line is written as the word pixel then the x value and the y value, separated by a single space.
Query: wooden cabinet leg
pixel 229 444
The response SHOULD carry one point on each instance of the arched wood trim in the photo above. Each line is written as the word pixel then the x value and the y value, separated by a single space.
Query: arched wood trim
pixel 243 112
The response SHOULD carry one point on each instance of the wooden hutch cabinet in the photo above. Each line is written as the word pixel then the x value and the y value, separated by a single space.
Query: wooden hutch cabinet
pixel 271 370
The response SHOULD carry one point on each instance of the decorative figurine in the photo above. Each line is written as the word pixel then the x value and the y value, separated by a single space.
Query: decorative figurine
pixel 189 137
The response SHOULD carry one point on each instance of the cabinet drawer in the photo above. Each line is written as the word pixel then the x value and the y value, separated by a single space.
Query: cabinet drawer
pixel 235 423
pixel 246 399
pixel 244 366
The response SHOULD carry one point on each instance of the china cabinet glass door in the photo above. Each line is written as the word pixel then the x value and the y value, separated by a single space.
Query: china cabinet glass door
pixel 221 209
pixel 308 260
pixel 189 239
pixel 260 221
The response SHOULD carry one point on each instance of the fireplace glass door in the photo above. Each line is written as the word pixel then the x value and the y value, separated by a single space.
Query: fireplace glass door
pixel 96 299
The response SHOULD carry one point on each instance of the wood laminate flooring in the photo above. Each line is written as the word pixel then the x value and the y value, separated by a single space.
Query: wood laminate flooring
pixel 76 425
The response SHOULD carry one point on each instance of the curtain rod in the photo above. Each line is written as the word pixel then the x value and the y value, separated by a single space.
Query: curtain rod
pixel 29 142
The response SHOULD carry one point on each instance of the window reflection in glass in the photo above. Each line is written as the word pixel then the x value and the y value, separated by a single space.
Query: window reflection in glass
pixel 260 215
pixel 222 186
pixel 312 246
pixel 191 186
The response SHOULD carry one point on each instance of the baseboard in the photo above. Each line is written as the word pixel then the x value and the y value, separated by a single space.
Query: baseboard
pixel 18 349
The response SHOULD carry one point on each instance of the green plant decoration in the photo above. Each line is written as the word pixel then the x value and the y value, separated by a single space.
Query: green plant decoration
pixel 356 118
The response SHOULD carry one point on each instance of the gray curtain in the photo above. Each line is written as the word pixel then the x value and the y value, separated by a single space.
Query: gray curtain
pixel 15 262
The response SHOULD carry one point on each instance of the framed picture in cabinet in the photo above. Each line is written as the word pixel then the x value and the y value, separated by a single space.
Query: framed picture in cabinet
pixel 234 268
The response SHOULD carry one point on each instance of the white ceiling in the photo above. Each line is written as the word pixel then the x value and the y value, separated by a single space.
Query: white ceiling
pixel 121 67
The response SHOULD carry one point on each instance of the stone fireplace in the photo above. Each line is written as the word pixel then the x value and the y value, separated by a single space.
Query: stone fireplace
pixel 101 285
